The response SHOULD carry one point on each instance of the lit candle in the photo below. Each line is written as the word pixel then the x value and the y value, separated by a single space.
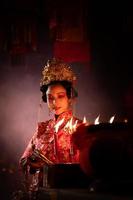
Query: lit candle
pixel 97 120
pixel 111 119
pixel 85 122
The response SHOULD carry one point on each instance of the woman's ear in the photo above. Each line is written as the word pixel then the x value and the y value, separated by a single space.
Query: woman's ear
pixel 72 101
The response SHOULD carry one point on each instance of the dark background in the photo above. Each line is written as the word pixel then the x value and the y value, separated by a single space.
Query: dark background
pixel 104 80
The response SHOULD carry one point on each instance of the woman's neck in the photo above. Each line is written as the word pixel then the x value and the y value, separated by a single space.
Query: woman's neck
pixel 64 114
pixel 56 117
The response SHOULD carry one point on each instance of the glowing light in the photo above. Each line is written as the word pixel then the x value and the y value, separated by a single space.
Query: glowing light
pixel 84 120
pixel 111 119
pixel 126 120
pixel 58 125
pixel 75 125
pixel 70 127
pixel 97 120
pixel 67 125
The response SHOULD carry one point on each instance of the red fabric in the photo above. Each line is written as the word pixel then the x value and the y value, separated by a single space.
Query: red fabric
pixel 43 140
pixel 72 51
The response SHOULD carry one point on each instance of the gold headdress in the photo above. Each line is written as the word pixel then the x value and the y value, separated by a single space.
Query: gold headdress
pixel 56 70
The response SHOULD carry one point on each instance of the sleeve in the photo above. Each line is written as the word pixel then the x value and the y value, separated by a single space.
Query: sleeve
pixel 31 146
pixel 27 153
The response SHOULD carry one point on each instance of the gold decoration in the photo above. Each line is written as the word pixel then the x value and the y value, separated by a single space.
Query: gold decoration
pixel 56 70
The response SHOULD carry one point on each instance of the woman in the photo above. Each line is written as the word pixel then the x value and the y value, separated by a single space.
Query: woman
pixel 51 143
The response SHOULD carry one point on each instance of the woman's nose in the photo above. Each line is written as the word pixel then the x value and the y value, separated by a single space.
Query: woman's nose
pixel 54 102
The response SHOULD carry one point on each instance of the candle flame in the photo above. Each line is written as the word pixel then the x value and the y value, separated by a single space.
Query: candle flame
pixel 75 125
pixel 67 125
pixel 97 120
pixel 70 127
pixel 58 124
pixel 84 120
pixel 111 119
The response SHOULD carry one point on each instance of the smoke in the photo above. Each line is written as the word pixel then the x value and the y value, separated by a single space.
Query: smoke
pixel 19 104
pixel 20 99
pixel 93 99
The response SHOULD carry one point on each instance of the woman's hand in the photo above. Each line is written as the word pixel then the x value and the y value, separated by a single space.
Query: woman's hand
pixel 35 162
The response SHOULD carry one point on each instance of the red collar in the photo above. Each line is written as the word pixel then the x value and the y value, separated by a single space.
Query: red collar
pixel 66 115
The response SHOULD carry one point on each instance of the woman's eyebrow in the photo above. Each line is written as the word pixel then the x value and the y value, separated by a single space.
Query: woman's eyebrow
pixel 57 93
pixel 61 93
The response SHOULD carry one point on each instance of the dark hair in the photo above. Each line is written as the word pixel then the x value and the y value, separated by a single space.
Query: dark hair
pixel 71 92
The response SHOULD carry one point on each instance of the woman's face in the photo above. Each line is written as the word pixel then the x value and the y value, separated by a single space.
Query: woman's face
pixel 57 99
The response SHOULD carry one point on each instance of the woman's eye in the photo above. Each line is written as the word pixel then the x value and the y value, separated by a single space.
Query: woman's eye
pixel 61 96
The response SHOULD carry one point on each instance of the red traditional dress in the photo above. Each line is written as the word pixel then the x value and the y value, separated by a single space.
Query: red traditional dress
pixel 44 141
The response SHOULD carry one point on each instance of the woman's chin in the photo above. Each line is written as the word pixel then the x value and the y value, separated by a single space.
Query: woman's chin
pixel 58 112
